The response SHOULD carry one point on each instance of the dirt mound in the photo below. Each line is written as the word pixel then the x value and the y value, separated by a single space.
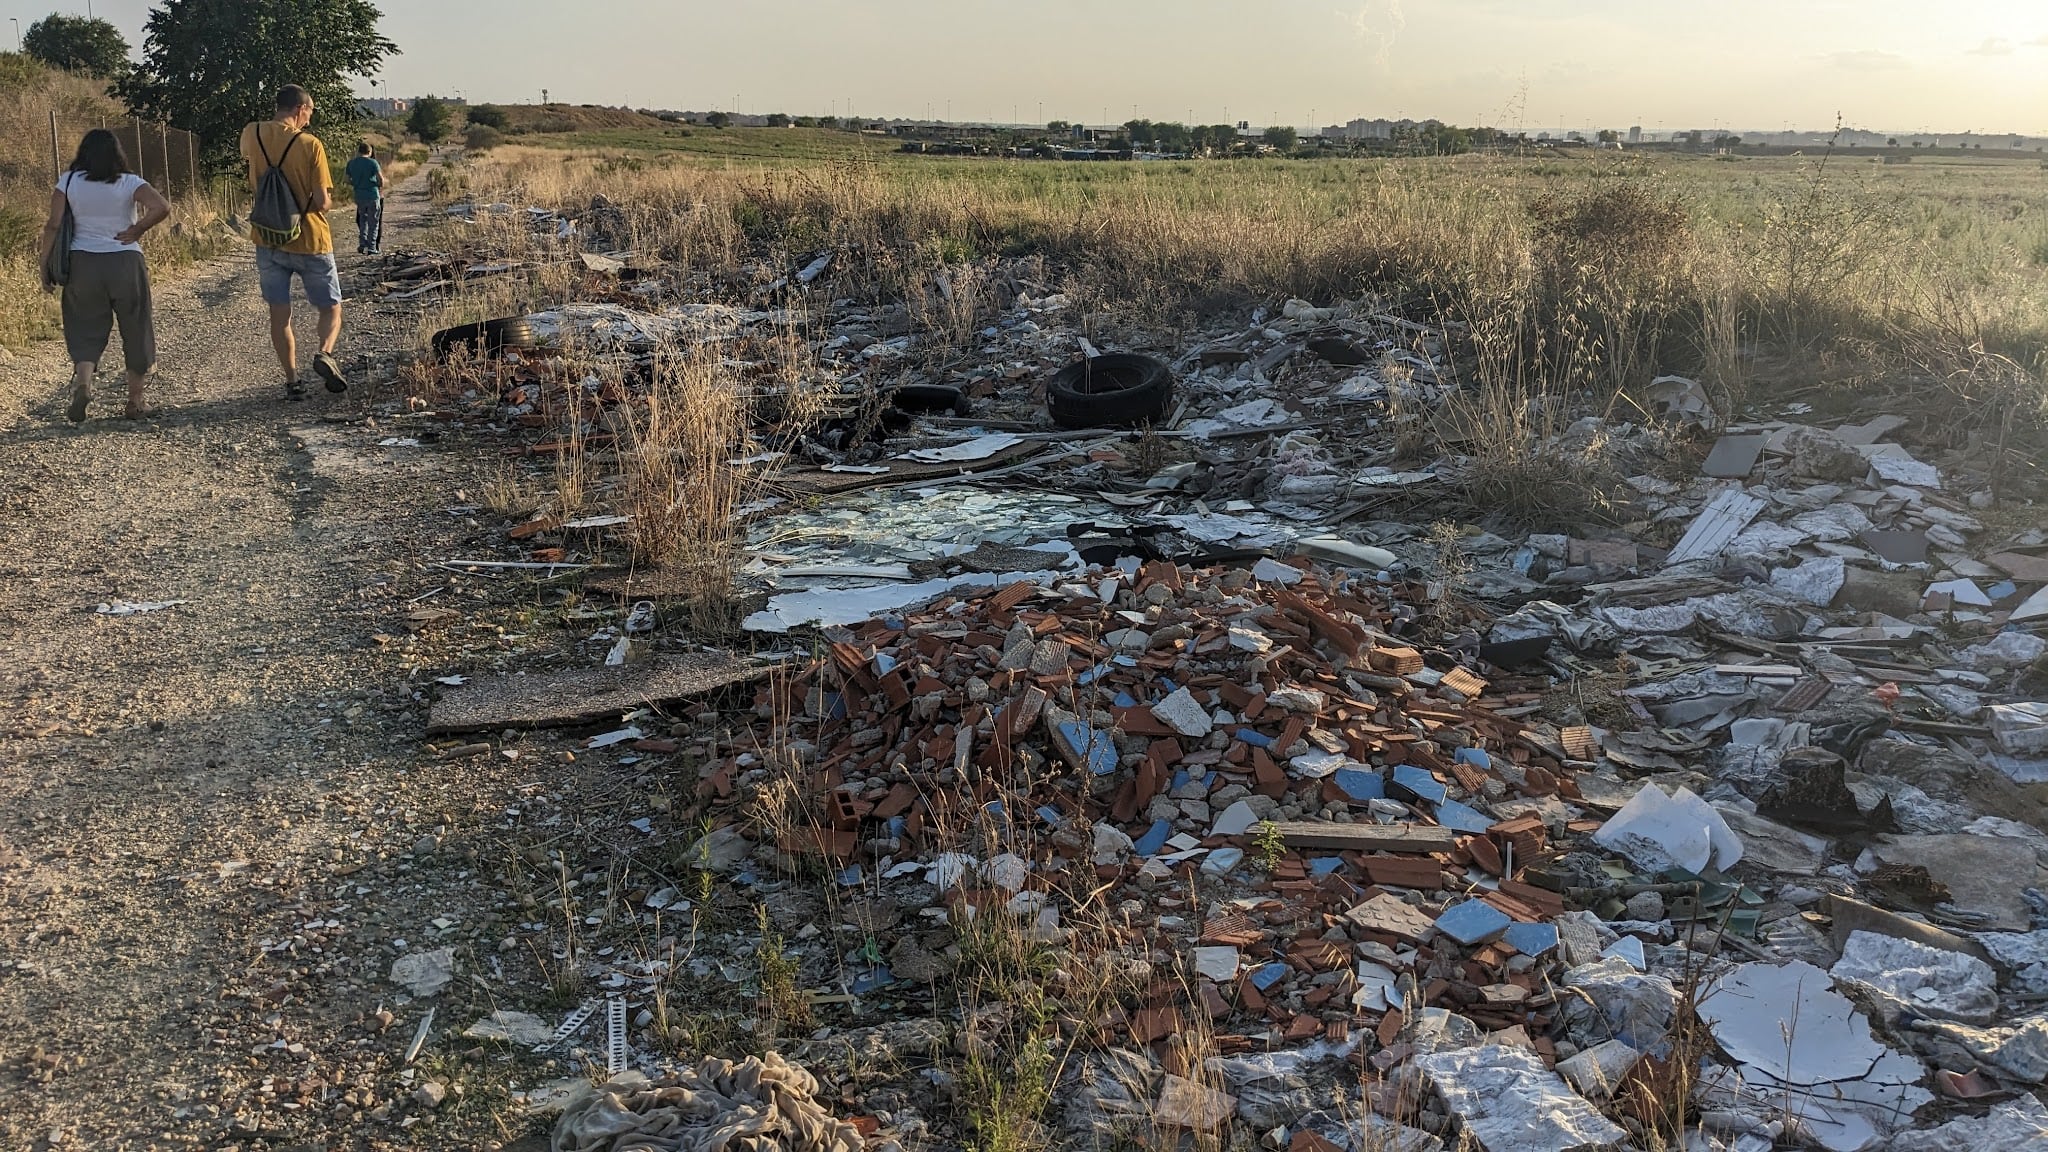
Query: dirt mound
pixel 524 118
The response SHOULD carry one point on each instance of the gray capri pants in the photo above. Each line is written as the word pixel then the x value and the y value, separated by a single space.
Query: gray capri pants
pixel 109 289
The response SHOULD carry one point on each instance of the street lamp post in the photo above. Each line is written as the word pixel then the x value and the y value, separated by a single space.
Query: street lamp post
pixel 16 21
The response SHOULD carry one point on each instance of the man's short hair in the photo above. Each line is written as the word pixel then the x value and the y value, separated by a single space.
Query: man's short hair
pixel 363 149
pixel 291 98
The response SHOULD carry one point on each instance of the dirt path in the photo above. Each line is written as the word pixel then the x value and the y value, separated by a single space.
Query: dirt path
pixel 216 820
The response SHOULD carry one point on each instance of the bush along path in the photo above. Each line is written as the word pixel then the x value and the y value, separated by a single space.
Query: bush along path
pixel 217 826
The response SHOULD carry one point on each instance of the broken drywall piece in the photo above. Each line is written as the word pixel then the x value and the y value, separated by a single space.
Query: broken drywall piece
pixel 1816 581
pixel 2020 1124
pixel 1184 1103
pixel 1788 1023
pixel 979 448
pixel 1658 831
pixel 1920 979
pixel 1507 1101
pixel 2021 729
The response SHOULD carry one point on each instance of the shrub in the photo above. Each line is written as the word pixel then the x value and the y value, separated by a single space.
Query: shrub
pixel 482 138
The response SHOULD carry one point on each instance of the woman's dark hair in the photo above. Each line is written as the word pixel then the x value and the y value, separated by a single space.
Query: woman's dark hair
pixel 100 157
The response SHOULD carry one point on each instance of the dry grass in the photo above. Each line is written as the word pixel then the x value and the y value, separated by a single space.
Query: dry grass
pixel 1567 285
pixel 29 93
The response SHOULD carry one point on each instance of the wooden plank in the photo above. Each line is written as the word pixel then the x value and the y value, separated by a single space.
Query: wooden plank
pixel 1408 838
pixel 584 695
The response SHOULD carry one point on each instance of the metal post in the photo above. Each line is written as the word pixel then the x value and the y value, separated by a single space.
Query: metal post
pixel 163 144
pixel 56 164
pixel 192 159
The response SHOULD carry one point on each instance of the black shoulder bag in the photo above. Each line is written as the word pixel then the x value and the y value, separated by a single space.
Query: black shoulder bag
pixel 57 265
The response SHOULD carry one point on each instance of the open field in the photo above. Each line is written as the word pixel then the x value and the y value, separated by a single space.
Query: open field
pixel 1790 271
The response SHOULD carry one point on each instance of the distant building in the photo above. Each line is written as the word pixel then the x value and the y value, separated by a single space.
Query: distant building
pixel 384 107
pixel 1635 134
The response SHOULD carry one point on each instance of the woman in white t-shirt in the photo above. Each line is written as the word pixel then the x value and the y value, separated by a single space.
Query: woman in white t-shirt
pixel 112 208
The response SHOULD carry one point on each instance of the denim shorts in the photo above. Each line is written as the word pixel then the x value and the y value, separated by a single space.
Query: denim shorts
pixel 275 269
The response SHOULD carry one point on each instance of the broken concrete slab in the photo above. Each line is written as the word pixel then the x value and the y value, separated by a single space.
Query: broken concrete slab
pixel 1507 1101
pixel 584 696
pixel 1983 874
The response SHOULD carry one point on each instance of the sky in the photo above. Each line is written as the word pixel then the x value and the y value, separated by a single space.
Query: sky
pixel 1889 65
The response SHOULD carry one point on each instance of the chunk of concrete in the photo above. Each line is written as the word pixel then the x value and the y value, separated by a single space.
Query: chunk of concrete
pixel 1507 1101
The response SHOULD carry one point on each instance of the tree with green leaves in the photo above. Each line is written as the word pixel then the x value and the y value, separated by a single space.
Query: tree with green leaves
pixel 718 119
pixel 429 120
pixel 489 116
pixel 77 44
pixel 1281 138
pixel 212 66
pixel 1059 127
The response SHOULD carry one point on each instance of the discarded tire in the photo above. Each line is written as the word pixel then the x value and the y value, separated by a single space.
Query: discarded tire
pixel 928 398
pixel 486 337
pixel 1120 390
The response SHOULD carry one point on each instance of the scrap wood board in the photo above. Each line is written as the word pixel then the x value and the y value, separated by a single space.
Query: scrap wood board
pixel 1366 837
pixel 817 482
pixel 583 696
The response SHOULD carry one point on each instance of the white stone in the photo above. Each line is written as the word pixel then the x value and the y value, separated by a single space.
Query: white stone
pixel 424 973
pixel 1218 964
pixel 1184 714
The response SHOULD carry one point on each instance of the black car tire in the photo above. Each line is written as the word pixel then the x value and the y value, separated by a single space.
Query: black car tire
pixel 486 337
pixel 1118 390
pixel 928 398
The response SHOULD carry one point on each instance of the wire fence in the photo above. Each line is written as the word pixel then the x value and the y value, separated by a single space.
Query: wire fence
pixel 167 157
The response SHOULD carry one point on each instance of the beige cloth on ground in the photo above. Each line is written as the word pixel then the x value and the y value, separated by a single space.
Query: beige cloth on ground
pixel 718 1106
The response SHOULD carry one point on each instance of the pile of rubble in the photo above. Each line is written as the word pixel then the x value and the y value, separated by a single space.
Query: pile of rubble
pixel 1727 799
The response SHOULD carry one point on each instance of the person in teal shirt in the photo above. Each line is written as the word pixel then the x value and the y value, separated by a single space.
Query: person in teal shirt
pixel 367 177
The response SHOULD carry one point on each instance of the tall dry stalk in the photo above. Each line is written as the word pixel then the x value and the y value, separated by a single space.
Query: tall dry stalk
pixel 682 483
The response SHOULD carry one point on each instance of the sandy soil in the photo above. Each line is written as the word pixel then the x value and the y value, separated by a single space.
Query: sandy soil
pixel 218 819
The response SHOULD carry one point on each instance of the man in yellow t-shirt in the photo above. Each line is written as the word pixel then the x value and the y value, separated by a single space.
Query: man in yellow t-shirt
pixel 309 256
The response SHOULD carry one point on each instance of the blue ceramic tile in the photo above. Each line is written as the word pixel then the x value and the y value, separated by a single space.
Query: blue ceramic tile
pixel 1154 838
pixel 1264 977
pixel 1476 757
pixel 1125 700
pixel 873 979
pixel 1418 783
pixel 896 826
pixel 1094 748
pixel 1531 939
pixel 884 663
pixel 1254 738
pixel 1051 816
pixel 1459 818
pixel 1359 785
pixel 1473 922
pixel 1324 865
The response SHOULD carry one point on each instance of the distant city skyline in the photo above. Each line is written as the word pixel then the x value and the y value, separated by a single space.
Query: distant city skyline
pixel 1559 65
